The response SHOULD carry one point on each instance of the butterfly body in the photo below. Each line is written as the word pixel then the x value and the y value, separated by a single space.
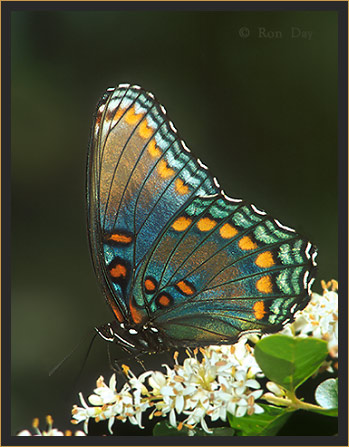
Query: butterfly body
pixel 181 263
pixel 134 339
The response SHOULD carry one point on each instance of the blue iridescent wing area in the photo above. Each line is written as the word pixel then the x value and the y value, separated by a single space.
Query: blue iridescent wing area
pixel 140 174
pixel 170 248
pixel 230 268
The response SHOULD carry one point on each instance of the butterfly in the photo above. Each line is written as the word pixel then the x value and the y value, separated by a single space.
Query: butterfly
pixel 181 264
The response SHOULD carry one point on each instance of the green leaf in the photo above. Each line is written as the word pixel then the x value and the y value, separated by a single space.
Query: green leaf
pixel 333 412
pixel 163 428
pixel 326 395
pixel 290 361
pixel 263 424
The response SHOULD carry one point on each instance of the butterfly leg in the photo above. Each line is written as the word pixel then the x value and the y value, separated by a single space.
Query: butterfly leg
pixel 110 360
pixel 138 360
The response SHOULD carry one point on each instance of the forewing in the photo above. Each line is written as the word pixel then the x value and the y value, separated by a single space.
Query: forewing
pixel 140 175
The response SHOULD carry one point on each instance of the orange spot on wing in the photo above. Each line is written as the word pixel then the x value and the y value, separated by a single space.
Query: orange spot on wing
pixel 181 188
pixel 144 130
pixel 227 231
pixel 149 285
pixel 164 170
pixel 181 224
pixel 136 315
pixel 132 117
pixel 206 224
pixel 246 243
pixel 259 310
pixel 118 114
pixel 264 284
pixel 265 260
pixel 153 150
pixel 185 287
pixel 164 300
pixel 118 271
pixel 122 238
pixel 116 310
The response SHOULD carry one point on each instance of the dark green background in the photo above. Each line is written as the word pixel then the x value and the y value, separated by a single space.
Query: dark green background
pixel 260 112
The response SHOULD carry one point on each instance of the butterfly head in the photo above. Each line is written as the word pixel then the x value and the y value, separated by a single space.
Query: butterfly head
pixel 146 338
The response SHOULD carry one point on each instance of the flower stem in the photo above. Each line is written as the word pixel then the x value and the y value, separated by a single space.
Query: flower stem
pixel 299 404
pixel 291 401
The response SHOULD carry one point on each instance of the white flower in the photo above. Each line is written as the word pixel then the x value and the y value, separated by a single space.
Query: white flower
pixel 277 395
pixel 50 431
pixel 241 355
pixel 319 318
pixel 24 433
pixel 104 394
pixel 197 416
pixel 275 389
pixel 158 382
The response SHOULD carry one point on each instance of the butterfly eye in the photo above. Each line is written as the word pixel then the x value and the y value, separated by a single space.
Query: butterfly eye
pixel 163 300
pixel 150 285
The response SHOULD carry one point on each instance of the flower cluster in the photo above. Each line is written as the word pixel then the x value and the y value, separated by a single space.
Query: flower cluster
pixel 320 318
pixel 222 380
pixel 50 431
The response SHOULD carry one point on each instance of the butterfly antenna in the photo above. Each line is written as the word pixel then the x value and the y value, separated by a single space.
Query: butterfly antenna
pixel 85 359
pixel 55 368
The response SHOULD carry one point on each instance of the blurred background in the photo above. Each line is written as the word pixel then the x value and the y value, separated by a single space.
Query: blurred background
pixel 253 94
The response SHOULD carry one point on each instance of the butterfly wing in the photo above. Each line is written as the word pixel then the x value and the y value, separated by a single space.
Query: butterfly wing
pixel 140 174
pixel 232 269
pixel 170 247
